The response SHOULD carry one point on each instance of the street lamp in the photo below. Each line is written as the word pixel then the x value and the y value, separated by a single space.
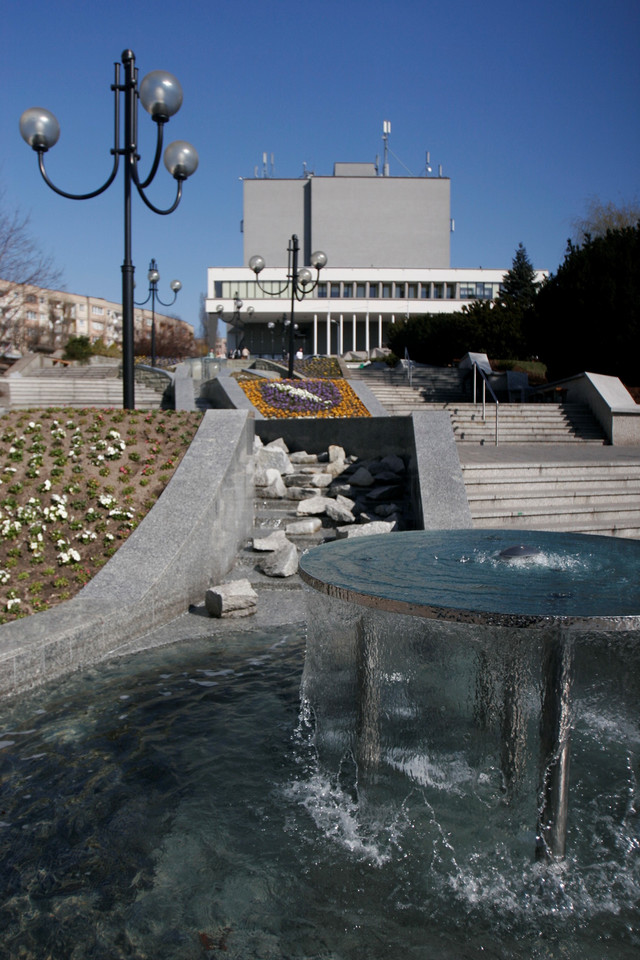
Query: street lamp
pixel 236 322
pixel 300 280
pixel 153 276
pixel 161 95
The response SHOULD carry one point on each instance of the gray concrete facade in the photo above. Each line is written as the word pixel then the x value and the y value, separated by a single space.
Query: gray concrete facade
pixel 359 221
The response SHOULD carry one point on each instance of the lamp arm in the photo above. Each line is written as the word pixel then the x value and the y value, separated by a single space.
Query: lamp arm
pixel 170 303
pixel 272 293
pixel 77 196
pixel 301 292
pixel 142 303
pixel 156 159
pixel 163 213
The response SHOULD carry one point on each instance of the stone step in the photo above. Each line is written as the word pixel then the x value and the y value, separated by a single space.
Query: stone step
pixel 26 392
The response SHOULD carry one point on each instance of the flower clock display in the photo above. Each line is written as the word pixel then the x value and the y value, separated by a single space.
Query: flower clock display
pixel 304 398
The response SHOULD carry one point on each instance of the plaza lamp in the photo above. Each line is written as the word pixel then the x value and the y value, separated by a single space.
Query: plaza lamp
pixel 161 95
pixel 153 276
pixel 300 280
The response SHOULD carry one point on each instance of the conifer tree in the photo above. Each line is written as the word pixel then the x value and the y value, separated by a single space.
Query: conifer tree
pixel 519 287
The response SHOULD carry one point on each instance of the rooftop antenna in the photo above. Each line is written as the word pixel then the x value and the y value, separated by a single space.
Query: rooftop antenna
pixel 273 167
pixel 265 172
pixel 427 168
pixel 386 130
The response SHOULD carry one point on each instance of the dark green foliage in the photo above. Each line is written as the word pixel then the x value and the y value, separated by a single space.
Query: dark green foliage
pixel 519 287
pixel 587 316
pixel 78 348
pixel 495 327
pixel 485 326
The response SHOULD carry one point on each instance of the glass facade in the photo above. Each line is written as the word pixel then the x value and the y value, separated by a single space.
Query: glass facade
pixel 346 290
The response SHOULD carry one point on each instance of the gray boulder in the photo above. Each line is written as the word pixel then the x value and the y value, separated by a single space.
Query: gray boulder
pixel 282 563
pixel 365 529
pixel 235 599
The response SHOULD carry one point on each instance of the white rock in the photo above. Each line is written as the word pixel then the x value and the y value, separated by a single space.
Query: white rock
pixel 339 512
pixel 336 453
pixel 275 541
pixel 304 527
pixel 274 457
pixel 263 477
pixel 301 456
pixel 313 505
pixel 235 599
pixel 276 490
pixel 320 480
pixel 364 529
pixel 282 563
pixel 278 444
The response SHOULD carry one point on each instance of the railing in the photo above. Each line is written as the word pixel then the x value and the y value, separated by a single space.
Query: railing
pixel 485 383
pixel 408 366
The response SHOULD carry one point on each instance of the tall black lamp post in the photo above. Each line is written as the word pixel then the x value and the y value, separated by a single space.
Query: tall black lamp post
pixel 161 95
pixel 153 276
pixel 300 280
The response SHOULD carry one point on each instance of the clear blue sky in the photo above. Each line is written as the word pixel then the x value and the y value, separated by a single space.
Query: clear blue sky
pixel 531 108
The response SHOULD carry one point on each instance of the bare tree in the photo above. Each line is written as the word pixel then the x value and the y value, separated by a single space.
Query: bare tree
pixel 23 265
pixel 601 216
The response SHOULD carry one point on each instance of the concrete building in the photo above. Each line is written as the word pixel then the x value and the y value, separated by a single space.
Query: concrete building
pixel 387 243
pixel 33 318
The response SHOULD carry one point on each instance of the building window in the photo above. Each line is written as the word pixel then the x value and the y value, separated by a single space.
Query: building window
pixel 31 315
pixel 437 291
pixel 335 291
pixel 374 290
pixel 97 311
pixel 322 290
pixel 386 291
pixel 361 290
pixel 399 290
pixel 425 291
pixel 347 290
pixel 450 291
pixel 412 291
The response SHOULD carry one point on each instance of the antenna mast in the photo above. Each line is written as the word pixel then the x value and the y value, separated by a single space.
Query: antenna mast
pixel 386 130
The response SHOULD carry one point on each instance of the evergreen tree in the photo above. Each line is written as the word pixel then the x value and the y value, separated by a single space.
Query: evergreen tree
pixel 519 287
pixel 587 316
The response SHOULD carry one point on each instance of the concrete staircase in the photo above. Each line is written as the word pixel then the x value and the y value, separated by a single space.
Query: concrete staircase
pixel 523 423
pixel 570 496
pixel 442 389
pixel 429 384
pixel 91 386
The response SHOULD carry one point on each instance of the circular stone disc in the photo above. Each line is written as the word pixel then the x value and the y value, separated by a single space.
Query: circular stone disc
pixel 458 575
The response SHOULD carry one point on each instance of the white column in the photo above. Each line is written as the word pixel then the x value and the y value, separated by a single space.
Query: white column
pixel 354 333
pixel 328 353
pixel 366 333
pixel 379 329
pixel 315 334
pixel 341 337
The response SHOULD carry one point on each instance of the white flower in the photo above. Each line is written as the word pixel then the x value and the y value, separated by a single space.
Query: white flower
pixel 5 576
pixel 12 604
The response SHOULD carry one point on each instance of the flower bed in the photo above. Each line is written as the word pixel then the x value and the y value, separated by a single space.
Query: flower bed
pixel 73 485
pixel 303 398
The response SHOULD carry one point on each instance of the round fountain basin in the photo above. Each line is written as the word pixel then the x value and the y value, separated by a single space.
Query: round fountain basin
pixel 485 576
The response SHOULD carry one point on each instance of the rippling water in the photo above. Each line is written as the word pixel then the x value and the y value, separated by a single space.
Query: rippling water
pixel 173 806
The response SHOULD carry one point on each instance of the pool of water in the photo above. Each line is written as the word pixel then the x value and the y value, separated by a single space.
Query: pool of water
pixel 173 805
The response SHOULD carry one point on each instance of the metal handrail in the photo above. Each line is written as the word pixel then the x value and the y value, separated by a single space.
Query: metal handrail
pixel 485 384
pixel 408 366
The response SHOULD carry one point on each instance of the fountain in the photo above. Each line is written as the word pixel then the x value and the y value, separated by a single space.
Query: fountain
pixel 186 801
pixel 491 627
